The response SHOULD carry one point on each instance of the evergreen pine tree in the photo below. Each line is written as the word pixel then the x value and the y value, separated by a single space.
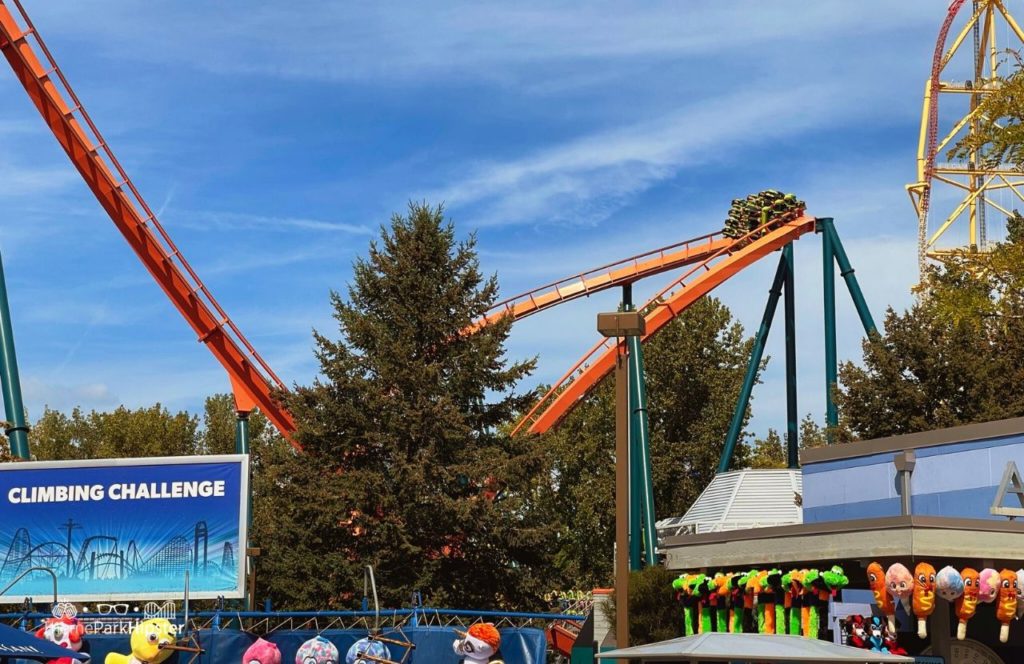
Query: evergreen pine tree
pixel 404 466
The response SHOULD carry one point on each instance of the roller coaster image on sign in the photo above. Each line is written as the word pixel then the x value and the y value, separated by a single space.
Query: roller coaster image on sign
pixel 124 528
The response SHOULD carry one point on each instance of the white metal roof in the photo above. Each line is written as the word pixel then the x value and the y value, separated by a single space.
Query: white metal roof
pixel 720 646
pixel 741 499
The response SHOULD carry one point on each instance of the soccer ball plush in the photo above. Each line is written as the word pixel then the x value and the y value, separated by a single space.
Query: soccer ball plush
pixel 366 647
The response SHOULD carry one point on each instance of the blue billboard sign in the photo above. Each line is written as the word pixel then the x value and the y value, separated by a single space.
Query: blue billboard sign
pixel 117 529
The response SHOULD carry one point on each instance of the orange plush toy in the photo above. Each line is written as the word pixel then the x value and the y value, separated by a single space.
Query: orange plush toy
pixel 968 602
pixel 1006 604
pixel 876 580
pixel 924 596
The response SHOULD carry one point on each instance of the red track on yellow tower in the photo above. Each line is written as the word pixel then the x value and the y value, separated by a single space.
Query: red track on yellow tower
pixel 701 279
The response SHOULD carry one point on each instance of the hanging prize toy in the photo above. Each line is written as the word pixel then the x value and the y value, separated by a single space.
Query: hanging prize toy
pixel 736 588
pixel 968 602
pixel 949 585
pixel 720 600
pixel 754 587
pixel 924 596
pixel 883 600
pixel 775 614
pixel 796 600
pixel 988 585
pixel 900 583
pixel 1020 593
pixel 811 613
pixel 1006 608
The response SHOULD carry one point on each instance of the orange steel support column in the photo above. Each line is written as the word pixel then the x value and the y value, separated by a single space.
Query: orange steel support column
pixel 252 379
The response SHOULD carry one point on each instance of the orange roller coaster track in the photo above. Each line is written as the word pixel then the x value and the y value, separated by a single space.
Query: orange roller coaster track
pixel 698 281
pixel 607 276
pixel 252 380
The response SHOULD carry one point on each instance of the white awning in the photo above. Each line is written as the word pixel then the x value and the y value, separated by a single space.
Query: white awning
pixel 725 647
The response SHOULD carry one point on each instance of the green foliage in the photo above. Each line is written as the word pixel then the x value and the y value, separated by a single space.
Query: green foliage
pixel 405 465
pixel 955 357
pixel 999 137
pixel 654 614
pixel 769 452
pixel 695 367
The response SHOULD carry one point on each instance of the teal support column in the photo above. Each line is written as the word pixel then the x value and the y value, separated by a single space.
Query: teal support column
pixel 831 363
pixel 752 368
pixel 639 437
pixel 846 270
pixel 14 409
pixel 635 501
pixel 792 451
pixel 242 433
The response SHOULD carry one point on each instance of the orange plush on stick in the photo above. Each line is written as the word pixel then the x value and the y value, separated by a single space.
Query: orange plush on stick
pixel 1006 606
pixel 924 596
pixel 876 580
pixel 968 602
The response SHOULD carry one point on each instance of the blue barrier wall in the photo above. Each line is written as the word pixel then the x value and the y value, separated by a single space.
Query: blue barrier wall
pixel 956 480
pixel 433 645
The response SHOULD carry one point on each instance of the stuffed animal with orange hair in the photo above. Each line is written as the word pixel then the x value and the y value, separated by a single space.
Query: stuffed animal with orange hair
pixel 478 644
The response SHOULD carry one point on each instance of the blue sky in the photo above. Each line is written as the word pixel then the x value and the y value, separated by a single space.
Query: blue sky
pixel 274 138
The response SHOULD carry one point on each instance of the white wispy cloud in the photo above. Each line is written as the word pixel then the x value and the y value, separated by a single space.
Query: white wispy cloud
pixel 208 220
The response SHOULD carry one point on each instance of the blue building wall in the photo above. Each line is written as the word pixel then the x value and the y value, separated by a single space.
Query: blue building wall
pixel 958 480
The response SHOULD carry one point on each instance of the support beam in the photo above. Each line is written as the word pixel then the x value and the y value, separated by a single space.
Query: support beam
pixel 14 409
pixel 831 363
pixel 753 366
pixel 640 440
pixel 635 501
pixel 792 449
pixel 846 270
pixel 242 432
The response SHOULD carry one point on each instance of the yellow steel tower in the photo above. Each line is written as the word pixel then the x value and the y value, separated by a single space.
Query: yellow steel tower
pixel 952 197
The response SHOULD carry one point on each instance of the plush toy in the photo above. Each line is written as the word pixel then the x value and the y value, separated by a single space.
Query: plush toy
pixel 988 585
pixel 753 588
pixel 720 601
pixel 968 602
pixel 883 600
pixel 1020 593
pixel 924 596
pixel 775 613
pixel 889 641
pixel 796 600
pixel 1006 608
pixel 856 634
pixel 876 635
pixel 367 646
pixel 949 585
pixel 148 640
pixel 65 632
pixel 703 588
pixel 810 616
pixel 900 583
pixel 262 652
pixel 737 585
pixel 478 644
pixel 317 650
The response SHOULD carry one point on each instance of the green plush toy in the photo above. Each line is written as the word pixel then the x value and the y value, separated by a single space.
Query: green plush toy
pixel 812 584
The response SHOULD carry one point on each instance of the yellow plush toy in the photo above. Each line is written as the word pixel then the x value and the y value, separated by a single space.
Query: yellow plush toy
pixel 149 639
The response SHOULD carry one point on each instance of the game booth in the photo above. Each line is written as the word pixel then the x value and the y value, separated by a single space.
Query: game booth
pixel 110 558
pixel 906 545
